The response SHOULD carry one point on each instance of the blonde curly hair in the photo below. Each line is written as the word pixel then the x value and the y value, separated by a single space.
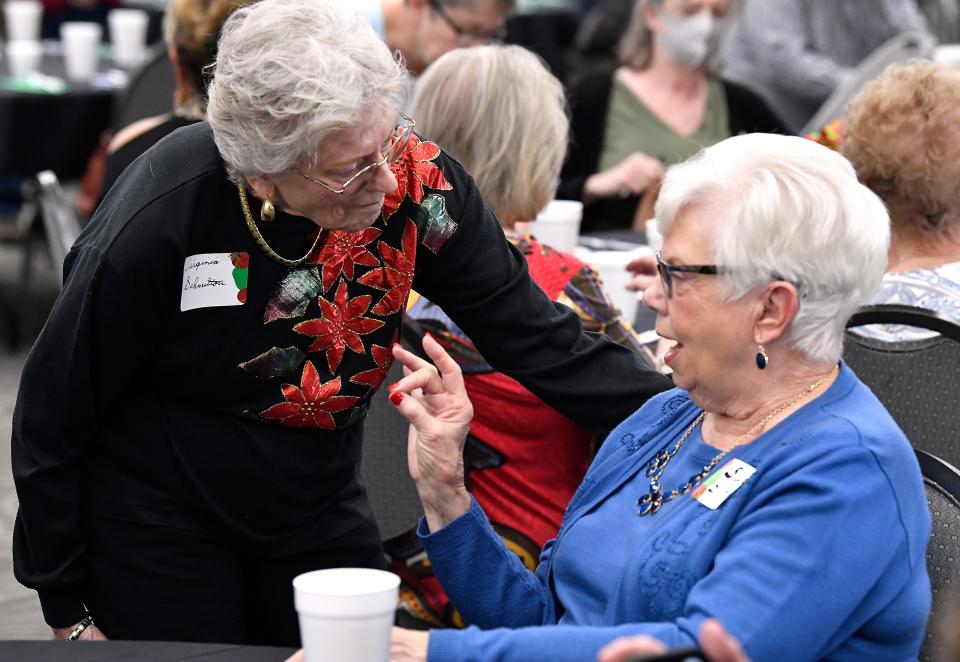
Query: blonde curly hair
pixel 902 134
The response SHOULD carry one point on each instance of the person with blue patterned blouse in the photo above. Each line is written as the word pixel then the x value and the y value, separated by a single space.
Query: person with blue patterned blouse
pixel 902 134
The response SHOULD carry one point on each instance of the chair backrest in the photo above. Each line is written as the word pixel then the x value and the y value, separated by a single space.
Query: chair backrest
pixel 149 92
pixel 900 48
pixel 918 381
pixel 391 491
pixel 941 482
pixel 59 220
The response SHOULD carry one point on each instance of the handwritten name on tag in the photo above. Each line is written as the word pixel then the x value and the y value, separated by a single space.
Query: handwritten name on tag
pixel 214 279
pixel 722 483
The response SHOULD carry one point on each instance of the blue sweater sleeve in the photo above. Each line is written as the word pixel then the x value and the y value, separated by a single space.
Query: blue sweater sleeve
pixel 508 595
pixel 797 573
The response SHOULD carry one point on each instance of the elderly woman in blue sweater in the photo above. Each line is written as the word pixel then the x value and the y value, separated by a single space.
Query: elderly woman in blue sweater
pixel 769 490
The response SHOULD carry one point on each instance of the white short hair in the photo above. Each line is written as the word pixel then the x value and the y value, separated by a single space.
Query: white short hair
pixel 789 209
pixel 288 72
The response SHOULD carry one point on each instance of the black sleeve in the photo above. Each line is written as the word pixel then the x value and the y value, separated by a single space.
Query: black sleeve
pixel 86 355
pixel 749 113
pixel 481 281
pixel 588 99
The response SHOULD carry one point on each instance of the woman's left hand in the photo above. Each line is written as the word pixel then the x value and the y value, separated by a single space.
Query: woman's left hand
pixel 435 401
pixel 409 645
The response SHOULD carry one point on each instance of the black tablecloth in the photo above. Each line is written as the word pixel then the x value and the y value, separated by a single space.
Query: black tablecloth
pixel 136 651
pixel 52 131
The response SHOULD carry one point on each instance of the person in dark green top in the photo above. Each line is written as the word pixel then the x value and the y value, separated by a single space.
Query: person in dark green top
pixel 660 106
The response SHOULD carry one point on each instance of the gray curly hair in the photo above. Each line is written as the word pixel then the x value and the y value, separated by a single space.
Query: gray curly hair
pixel 289 72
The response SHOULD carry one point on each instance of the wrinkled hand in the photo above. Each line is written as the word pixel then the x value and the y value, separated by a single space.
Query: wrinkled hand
pixel 644 270
pixel 435 402
pixel 409 645
pixel 632 176
pixel 92 633
pixel 717 644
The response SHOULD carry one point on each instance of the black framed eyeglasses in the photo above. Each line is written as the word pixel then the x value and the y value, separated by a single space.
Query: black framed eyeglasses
pixel 466 37
pixel 667 270
pixel 392 150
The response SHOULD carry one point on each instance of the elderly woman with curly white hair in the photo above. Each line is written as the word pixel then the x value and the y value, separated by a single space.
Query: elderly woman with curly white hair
pixel 188 430
pixel 770 490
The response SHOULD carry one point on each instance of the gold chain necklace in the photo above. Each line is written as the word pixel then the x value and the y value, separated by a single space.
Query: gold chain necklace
pixel 654 499
pixel 262 243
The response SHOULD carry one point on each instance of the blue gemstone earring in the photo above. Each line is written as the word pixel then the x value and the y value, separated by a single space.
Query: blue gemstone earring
pixel 762 358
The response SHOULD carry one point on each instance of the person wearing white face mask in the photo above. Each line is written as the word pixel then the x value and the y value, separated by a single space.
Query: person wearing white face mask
pixel 660 106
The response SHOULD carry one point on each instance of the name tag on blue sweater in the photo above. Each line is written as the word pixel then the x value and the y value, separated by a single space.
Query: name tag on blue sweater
pixel 722 483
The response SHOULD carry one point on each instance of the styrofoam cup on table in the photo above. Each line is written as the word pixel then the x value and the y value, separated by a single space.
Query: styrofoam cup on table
pixel 22 19
pixel 128 36
pixel 346 614
pixel 612 268
pixel 558 224
pixel 81 49
pixel 23 57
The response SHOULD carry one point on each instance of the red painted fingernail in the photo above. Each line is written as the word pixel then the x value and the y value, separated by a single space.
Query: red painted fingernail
pixel 396 398
pixel 393 386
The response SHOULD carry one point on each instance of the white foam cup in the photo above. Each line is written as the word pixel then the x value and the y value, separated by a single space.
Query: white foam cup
pixel 23 57
pixel 612 268
pixel 128 35
pixel 558 224
pixel 81 46
pixel 346 614
pixel 22 18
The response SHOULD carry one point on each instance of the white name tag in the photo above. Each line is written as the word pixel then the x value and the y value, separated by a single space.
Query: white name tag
pixel 722 483
pixel 214 279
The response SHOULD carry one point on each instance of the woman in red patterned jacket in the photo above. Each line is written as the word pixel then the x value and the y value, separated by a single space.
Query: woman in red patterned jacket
pixel 502 115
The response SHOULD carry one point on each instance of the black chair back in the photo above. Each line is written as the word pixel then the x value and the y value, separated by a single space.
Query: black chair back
pixel 59 220
pixel 941 482
pixel 918 381
pixel 150 91
pixel 391 491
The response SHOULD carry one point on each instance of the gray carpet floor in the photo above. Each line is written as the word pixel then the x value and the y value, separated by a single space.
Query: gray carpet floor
pixel 20 616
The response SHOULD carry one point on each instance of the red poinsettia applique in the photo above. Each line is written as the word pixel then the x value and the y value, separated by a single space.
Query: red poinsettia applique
pixel 396 274
pixel 340 326
pixel 414 170
pixel 383 357
pixel 310 405
pixel 341 251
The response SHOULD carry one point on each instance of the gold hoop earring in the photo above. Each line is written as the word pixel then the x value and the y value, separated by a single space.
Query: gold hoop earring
pixel 267 211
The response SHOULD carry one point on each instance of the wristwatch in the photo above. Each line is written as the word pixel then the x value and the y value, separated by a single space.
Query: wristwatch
pixel 84 623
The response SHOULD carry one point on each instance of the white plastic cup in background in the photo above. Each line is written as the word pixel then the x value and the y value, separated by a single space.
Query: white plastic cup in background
pixel 128 36
pixel 23 57
pixel 81 49
pixel 23 19
pixel 652 232
pixel 612 268
pixel 346 614
pixel 558 224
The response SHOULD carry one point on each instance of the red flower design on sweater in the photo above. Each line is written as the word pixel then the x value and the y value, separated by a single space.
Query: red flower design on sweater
pixel 311 404
pixel 396 274
pixel 342 251
pixel 340 326
pixel 414 170
pixel 372 378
